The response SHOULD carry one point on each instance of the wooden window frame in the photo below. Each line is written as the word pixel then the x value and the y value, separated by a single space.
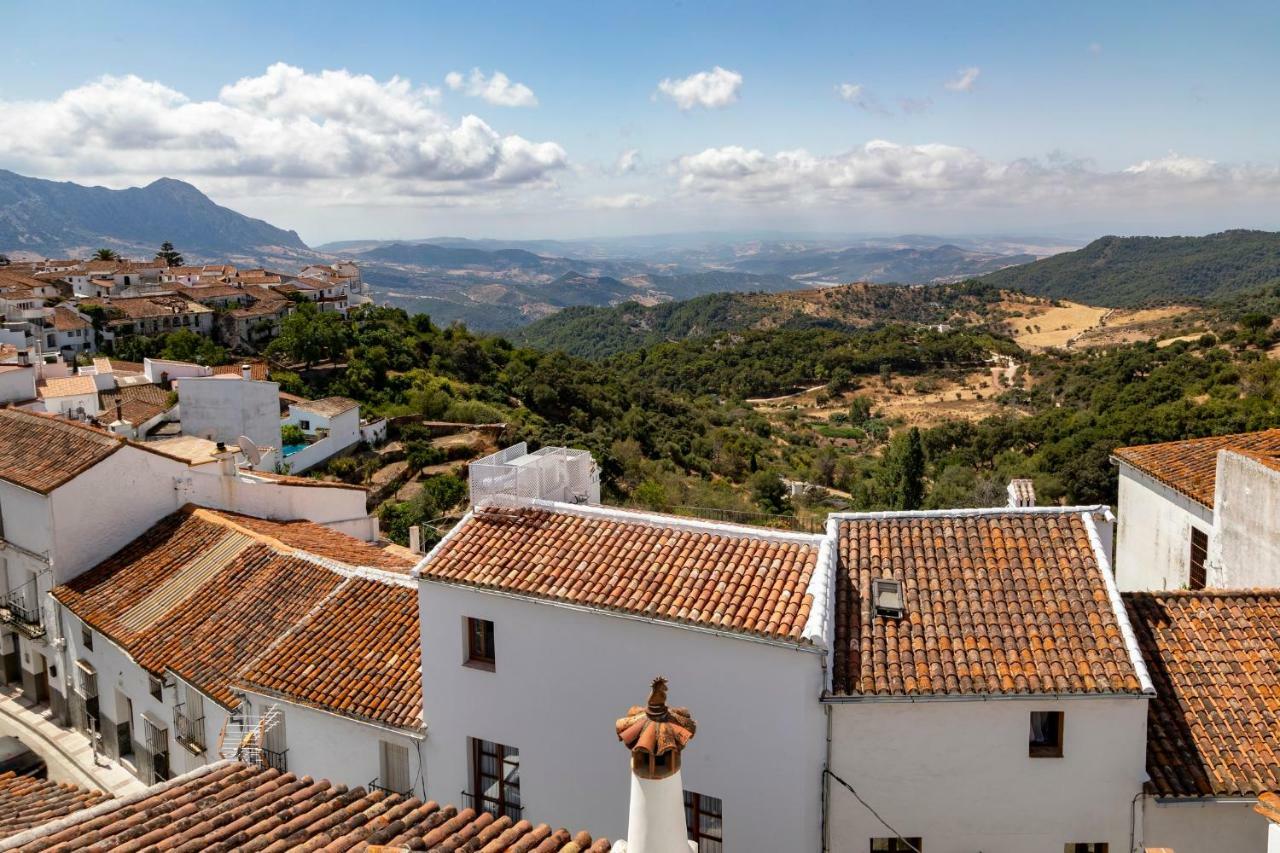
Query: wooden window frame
pixel 155 687
pixel 696 806
pixel 480 749
pixel 482 646
pixel 1048 750
pixel 1197 555
pixel 894 844
pixel 86 636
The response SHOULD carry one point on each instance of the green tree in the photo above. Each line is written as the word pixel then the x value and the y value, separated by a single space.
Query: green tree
pixel 309 335
pixel 768 491
pixel 186 345
pixel 291 434
pixel 908 471
pixel 106 255
pixel 169 255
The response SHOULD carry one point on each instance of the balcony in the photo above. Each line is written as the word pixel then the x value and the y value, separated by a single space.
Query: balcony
pixel 274 760
pixel 187 730
pixel 493 807
pixel 21 609
pixel 374 786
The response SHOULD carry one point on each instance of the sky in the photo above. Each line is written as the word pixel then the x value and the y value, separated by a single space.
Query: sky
pixel 562 120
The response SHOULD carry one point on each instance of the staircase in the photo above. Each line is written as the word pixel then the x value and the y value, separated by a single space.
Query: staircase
pixel 244 738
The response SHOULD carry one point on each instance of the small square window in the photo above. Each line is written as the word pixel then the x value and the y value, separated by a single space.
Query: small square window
pixel 897 845
pixel 704 817
pixel 156 687
pixel 1046 734
pixel 1086 847
pixel 480 644
pixel 86 637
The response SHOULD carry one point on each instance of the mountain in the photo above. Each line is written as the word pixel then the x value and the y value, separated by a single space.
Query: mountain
pixel 429 255
pixel 881 264
pixel 604 332
pixel 1127 271
pixel 53 218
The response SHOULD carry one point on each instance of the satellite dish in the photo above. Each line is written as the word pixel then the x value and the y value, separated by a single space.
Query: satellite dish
pixel 250 450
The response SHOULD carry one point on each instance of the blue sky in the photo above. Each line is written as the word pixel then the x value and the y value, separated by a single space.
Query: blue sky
pixel 1082 117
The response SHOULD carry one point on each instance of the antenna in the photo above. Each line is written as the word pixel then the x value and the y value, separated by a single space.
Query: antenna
pixel 250 450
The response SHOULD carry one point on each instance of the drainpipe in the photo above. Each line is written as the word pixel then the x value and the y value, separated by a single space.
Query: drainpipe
pixel 826 785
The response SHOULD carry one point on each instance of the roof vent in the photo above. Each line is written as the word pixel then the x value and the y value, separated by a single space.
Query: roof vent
pixel 886 596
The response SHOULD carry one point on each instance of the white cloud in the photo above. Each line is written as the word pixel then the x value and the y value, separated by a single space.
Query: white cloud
pixel 965 80
pixel 851 92
pixel 329 134
pixel 625 201
pixel 718 87
pixel 628 162
pixel 886 173
pixel 497 89
pixel 860 97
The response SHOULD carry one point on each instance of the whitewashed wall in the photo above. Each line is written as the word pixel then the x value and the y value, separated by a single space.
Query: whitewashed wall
pixel 563 677
pixel 1245 549
pixel 324 745
pixel 1154 541
pixel 225 409
pixel 1204 827
pixel 957 774
pixel 17 385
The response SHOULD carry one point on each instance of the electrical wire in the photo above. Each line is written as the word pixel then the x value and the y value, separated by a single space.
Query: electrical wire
pixel 867 806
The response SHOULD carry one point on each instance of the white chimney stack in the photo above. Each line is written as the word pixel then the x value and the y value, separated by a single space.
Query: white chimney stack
pixel 415 539
pixel 1022 493
pixel 656 736
pixel 246 371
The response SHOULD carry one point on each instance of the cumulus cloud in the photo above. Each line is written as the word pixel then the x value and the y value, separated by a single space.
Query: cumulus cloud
pixel 285 128
pixel 497 89
pixel 859 96
pixel 882 172
pixel 712 89
pixel 964 81
pixel 628 162
pixel 624 201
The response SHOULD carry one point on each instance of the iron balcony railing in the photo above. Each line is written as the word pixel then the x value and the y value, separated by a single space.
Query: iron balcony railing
pixel 275 760
pixel 188 731
pixel 493 807
pixel 22 607
pixel 374 786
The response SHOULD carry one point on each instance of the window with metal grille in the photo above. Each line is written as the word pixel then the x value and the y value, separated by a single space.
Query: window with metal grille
pixel 495 777
pixel 156 766
pixel 897 845
pixel 1086 847
pixel 704 816
pixel 481 649
pixel 86 636
pixel 393 766
pixel 1199 551
pixel 155 687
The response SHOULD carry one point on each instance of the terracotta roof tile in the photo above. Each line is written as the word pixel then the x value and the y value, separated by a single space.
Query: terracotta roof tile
pixel 324 542
pixel 996 603
pixel 257 369
pixel 68 386
pixel 41 452
pixel 66 320
pixel 205 594
pixel 328 406
pixel 681 573
pixel 231 806
pixel 27 802
pixel 1212 727
pixel 138 403
pixel 1190 467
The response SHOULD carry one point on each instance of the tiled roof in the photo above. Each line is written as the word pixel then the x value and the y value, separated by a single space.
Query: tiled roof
pixel 41 452
pixel 114 365
pixel 68 386
pixel 27 802
pixel 360 655
pixel 1269 806
pixel 328 406
pixel 140 307
pixel 1190 467
pixel 997 602
pixel 323 542
pixel 66 320
pixel 303 481
pixel 232 806
pixel 257 369
pixel 205 594
pixel 703 574
pixel 138 403
pixel 1212 727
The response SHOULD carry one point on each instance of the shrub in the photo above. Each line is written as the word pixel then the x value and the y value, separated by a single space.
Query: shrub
pixel 292 434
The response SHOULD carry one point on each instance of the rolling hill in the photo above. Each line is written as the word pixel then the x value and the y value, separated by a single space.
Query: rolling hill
pixel 1128 271
pixel 53 218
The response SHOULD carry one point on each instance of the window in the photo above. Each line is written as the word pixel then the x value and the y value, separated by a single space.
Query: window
pixel 155 685
pixel 1046 734
pixel 305 425
pixel 703 815
pixel 86 636
pixel 495 778
pixel 393 761
pixel 1086 847
pixel 897 845
pixel 1199 550
pixel 480 645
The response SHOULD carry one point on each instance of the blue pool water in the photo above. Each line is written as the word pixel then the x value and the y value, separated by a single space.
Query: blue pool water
pixel 290 449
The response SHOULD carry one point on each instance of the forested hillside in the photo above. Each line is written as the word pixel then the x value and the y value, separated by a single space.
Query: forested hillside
pixel 1125 271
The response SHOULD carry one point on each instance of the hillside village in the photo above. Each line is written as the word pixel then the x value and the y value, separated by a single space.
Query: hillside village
pixel 229 636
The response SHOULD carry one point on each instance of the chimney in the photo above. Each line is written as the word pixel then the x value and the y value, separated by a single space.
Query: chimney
pixel 1022 493
pixel 246 371
pixel 656 736
pixel 119 411
pixel 415 539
